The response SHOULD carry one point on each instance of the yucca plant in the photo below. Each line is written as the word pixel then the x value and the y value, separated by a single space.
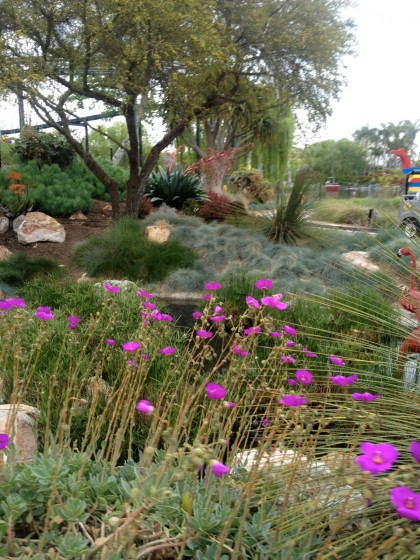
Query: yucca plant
pixel 173 187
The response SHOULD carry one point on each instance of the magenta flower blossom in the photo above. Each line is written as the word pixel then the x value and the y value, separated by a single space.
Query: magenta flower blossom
pixel 73 319
pixel 406 502
pixel 290 344
pixel 156 315
pixel 377 458
pixel 4 441
pixel 207 297
pixel 263 284
pixel 44 314
pixel 415 450
pixel 366 397
pixel 252 302
pixel 337 361
pixel 144 294
pixel 291 382
pixel 130 346
pixel 239 351
pixel 132 363
pixel 309 353
pixel 166 317
pixel 289 330
pixel 229 404
pixel 287 359
pixel 343 381
pixel 9 303
pixel 293 400
pixel 145 407
pixel 264 422
pixel 303 376
pixel 217 318
pixel 168 351
pixel 204 334
pixel 149 305
pixel 111 288
pixel 219 469
pixel 145 356
pixel 212 286
pixel 215 391
pixel 276 334
pixel 252 330
pixel 273 301
pixel 110 341
pixel 217 309
pixel 144 314
pixel 197 315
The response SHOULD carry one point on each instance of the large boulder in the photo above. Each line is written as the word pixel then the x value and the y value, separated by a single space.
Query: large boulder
pixel 159 232
pixel 19 423
pixel 37 227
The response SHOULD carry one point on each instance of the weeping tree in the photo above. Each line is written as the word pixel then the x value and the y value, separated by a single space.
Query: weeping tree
pixel 182 60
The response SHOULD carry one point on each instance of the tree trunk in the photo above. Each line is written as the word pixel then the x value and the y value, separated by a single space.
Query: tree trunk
pixel 133 161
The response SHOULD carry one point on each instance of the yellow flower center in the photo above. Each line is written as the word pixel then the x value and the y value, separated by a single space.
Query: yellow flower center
pixel 409 503
pixel 378 458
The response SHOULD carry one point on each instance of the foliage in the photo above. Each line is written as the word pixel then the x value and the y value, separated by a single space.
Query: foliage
pixel 251 182
pixel 20 268
pixel 44 148
pixel 104 140
pixel 219 207
pixel 145 207
pixel 14 198
pixel 173 187
pixel 125 252
pixel 356 211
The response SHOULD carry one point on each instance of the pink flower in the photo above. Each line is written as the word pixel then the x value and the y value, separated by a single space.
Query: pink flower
pixel 287 359
pixel 366 397
pixel 342 381
pixel 293 400
pixel 110 341
pixel 276 334
pixel 207 297
pixel 252 302
pixel 291 382
pixel 149 305
pixel 217 309
pixel 204 334
pixel 212 286
pixel 303 376
pixel 377 458
pixel 144 314
pixel 265 422
pixel 145 407
pixel 156 315
pixel 337 361
pixel 197 315
pixel 145 356
pixel 406 502
pixel 4 441
pixel 130 346
pixel 219 469
pixel 44 314
pixel 252 330
pixel 309 353
pixel 73 319
pixel 289 330
pixel 110 288
pixel 229 404
pixel 263 284
pixel 217 318
pixel 166 317
pixel 9 303
pixel 132 363
pixel 168 351
pixel 290 344
pixel 215 391
pixel 273 301
pixel 239 351
pixel 415 450
pixel 144 294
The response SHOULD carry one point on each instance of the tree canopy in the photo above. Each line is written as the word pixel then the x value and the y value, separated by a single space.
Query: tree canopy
pixel 182 59
pixel 342 159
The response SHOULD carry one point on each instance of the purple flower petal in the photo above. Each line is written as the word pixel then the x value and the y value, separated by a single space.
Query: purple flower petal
pixel 197 315
pixel 252 330
pixel 217 318
pixel 130 346
pixel 273 301
pixel 291 382
pixel 263 284
pixel 111 288
pixel 44 314
pixel 309 353
pixel 166 317
pixel 73 319
pixel 145 407
pixel 215 391
pixel 207 297
pixel 406 502
pixel 293 400
pixel 276 334
pixel 366 397
pixel 212 286
pixel 4 441
pixel 252 302
pixel 287 359
pixel 168 351
pixel 237 350
pixel 144 294
pixel 343 381
pixel 289 330
pixel 415 450
pixel 337 361
pixel 377 458
pixel 110 341
pixel 204 334
pixel 219 469
pixel 303 376
pixel 149 305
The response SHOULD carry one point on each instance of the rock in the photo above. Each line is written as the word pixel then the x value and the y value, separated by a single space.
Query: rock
pixel 37 226
pixel 159 232
pixel 4 253
pixel 78 216
pixel 18 221
pixel 19 422
pixel 4 224
pixel 360 258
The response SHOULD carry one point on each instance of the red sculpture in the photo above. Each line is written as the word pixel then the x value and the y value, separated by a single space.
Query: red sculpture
pixel 411 302
pixel 405 160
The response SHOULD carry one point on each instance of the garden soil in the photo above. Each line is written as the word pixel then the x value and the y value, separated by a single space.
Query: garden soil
pixel 98 220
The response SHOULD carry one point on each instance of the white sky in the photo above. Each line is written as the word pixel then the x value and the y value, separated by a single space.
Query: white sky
pixel 383 79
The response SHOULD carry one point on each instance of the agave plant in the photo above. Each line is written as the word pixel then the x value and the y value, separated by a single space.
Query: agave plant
pixel 173 187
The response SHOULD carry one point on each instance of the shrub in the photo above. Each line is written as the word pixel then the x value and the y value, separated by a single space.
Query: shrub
pixel 173 187
pixel 252 184
pixel 145 207
pixel 125 252
pixel 219 207
pixel 20 268
pixel 45 148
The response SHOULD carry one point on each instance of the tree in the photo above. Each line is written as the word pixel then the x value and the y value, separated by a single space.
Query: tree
pixel 185 60
pixel 342 159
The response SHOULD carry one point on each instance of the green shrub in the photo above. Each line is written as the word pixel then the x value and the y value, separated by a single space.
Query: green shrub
pixel 44 148
pixel 173 187
pixel 252 184
pixel 125 252
pixel 20 268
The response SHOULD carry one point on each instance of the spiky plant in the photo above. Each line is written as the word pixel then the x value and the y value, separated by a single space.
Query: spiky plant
pixel 173 187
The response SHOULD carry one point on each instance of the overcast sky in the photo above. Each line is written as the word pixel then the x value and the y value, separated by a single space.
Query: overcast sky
pixel 383 79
